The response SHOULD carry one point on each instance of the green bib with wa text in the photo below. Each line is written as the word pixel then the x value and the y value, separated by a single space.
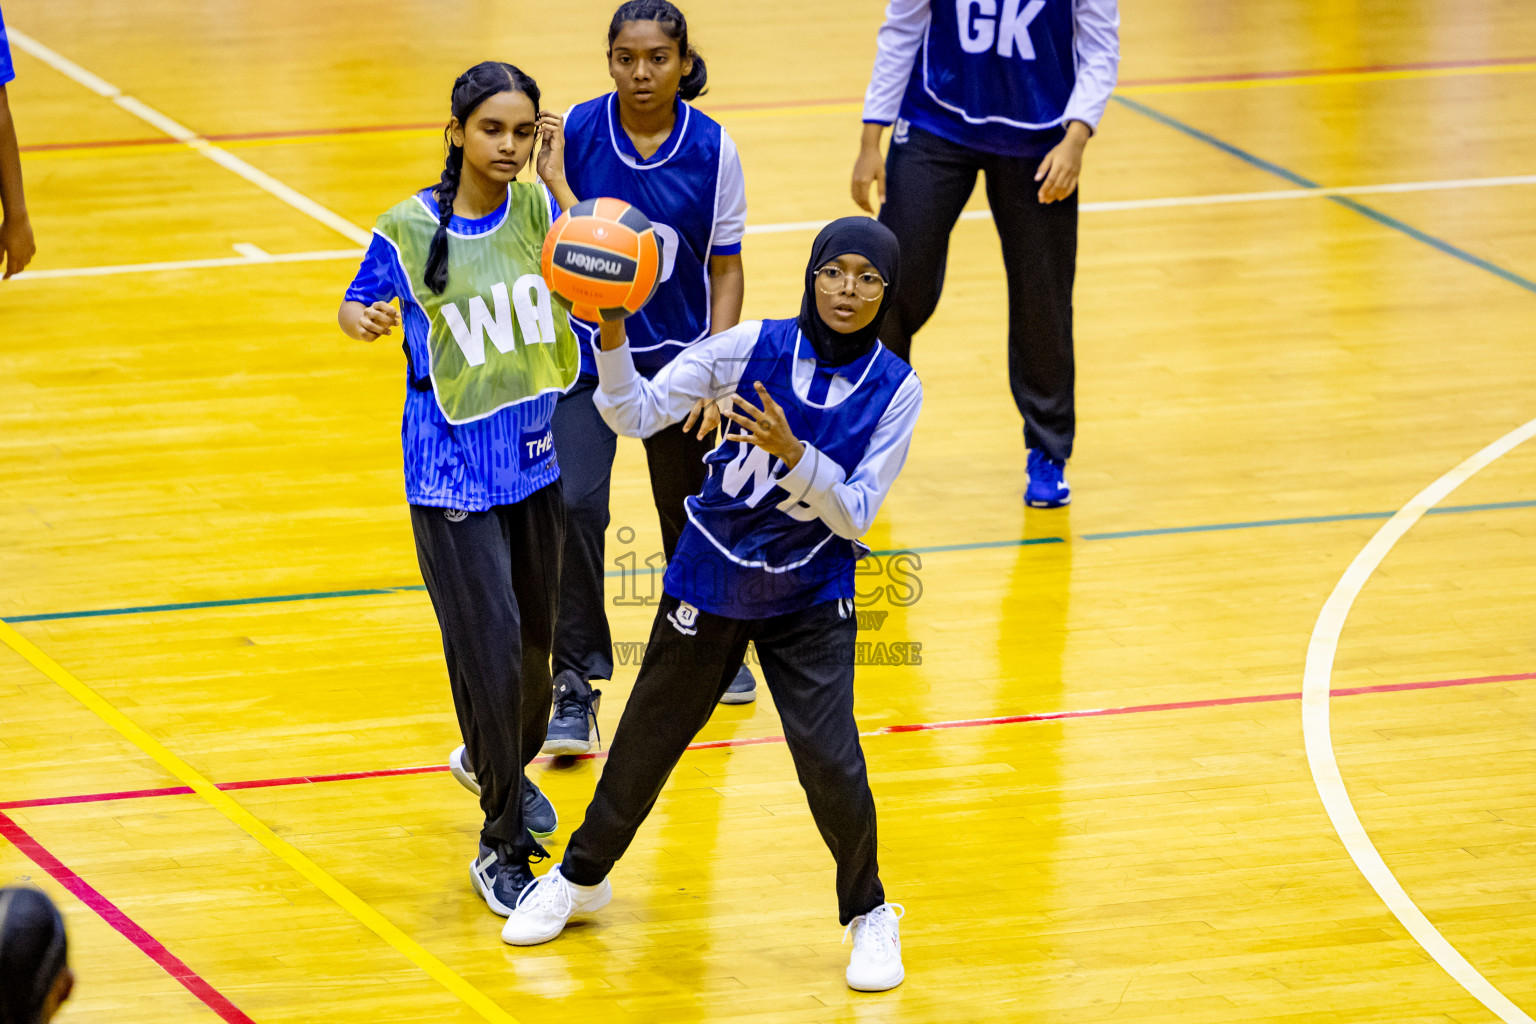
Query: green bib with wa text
pixel 496 336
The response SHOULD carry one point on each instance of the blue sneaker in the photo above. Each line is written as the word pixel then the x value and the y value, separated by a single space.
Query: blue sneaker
pixel 538 812
pixel 575 716
pixel 539 816
pixel 500 878
pixel 1048 487
pixel 743 689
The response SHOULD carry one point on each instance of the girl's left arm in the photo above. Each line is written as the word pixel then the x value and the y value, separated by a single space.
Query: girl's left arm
pixel 550 163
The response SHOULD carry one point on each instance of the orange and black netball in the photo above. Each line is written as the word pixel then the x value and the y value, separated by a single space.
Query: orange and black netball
pixel 602 259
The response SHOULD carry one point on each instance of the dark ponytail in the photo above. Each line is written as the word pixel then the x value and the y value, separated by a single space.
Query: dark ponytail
pixel 675 26
pixel 471 89
pixel 33 953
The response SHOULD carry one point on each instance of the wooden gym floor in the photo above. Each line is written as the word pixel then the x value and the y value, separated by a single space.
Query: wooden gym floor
pixel 1307 293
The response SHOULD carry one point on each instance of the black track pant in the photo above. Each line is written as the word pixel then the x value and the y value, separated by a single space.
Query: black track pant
pixel 807 660
pixel 927 182
pixel 492 577
pixel 585 447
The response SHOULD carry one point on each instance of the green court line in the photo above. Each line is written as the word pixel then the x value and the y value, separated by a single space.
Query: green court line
pixel 984 545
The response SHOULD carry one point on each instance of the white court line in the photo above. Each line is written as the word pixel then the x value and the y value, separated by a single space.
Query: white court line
pixel 218 261
pixel 261 179
pixel 1218 199
pixel 1315 690
pixel 1108 206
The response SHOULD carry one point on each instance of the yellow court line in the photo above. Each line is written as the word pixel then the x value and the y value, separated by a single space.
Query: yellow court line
pixel 1333 78
pixel 252 826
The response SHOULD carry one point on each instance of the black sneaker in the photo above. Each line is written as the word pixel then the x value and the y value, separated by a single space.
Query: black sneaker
pixel 575 715
pixel 500 877
pixel 743 689
pixel 539 816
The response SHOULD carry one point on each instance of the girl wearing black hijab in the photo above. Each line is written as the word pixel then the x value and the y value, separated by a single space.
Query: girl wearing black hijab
pixel 823 415
pixel 35 978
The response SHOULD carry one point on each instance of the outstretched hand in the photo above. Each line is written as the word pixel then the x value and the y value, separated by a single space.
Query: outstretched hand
pixel 706 412
pixel 768 428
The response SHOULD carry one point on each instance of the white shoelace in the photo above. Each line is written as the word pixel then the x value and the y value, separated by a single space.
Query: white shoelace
pixel 877 934
pixel 549 894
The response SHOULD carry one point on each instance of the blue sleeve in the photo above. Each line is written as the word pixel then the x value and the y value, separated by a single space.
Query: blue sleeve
pixel 377 278
pixel 7 69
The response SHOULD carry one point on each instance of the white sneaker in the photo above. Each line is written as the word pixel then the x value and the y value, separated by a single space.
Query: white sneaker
pixel 461 770
pixel 876 962
pixel 548 903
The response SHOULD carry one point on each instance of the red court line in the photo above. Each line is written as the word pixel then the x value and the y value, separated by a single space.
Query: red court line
pixel 889 730
pixel 109 912
pixel 726 108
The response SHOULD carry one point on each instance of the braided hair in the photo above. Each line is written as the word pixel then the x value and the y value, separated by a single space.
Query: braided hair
pixel 33 953
pixel 470 89
pixel 675 26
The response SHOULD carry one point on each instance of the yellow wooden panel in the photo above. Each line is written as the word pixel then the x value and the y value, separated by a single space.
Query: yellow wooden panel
pixel 206 435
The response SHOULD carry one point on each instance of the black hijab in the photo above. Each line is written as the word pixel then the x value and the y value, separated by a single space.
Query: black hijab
pixel 872 240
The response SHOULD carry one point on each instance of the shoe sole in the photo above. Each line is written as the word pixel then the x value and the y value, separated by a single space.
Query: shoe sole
pixel 746 697
pixel 566 747
pixel 553 828
pixel 1047 504
pixel 497 907
pixel 879 986
pixel 602 900
pixel 459 772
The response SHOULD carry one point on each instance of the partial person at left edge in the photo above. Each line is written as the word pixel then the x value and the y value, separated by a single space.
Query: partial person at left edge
pixel 35 978
pixel 17 246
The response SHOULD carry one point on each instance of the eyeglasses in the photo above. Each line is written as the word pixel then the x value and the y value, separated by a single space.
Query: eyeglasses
pixel 833 281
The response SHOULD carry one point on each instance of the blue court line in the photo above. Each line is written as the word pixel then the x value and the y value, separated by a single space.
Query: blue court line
pixel 984 545
pixel 1384 219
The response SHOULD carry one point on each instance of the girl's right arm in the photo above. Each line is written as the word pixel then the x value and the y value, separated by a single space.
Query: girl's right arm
pixel 367 323
pixel 636 407
pixel 366 313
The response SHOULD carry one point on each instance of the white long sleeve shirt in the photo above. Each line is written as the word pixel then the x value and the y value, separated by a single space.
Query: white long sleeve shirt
pixel 847 502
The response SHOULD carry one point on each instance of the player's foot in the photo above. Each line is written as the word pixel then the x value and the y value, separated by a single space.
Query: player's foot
pixel 876 962
pixel 460 769
pixel 539 816
pixel 575 717
pixel 547 904
pixel 500 876
pixel 743 689
pixel 1048 487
